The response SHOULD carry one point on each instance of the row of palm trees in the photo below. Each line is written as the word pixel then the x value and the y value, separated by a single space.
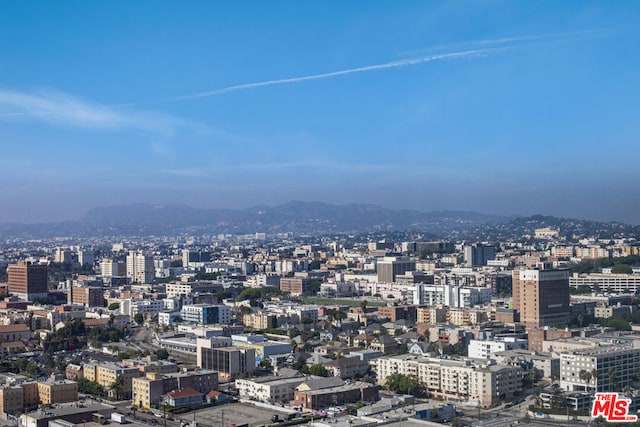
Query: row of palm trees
pixel 589 376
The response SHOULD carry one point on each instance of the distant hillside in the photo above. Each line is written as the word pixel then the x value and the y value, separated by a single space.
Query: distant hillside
pixel 297 217
pixel 307 218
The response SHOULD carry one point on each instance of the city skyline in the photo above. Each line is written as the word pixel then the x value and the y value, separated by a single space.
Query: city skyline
pixel 495 107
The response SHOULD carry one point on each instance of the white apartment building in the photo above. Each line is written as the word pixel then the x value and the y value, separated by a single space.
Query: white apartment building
pixel 109 268
pixel 131 307
pixel 173 304
pixel 262 281
pixel 606 368
pixel 162 268
pixel 485 349
pixel 206 314
pixel 460 380
pixel 448 295
pixel 297 313
pixel 140 267
pixel 272 390
pixel 167 318
pixel 607 283
pixel 177 289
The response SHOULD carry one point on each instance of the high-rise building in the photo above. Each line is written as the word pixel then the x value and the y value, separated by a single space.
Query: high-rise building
pixel 541 296
pixel 27 281
pixel 194 258
pixel 390 267
pixel 62 256
pixel 227 361
pixel 112 268
pixel 85 257
pixel 477 255
pixel 140 267
pixel 89 296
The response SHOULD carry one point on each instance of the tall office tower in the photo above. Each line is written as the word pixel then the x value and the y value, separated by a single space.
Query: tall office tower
pixel 85 257
pixel 62 256
pixel 389 267
pixel 194 258
pixel 27 281
pixel 477 255
pixel 541 296
pixel 140 267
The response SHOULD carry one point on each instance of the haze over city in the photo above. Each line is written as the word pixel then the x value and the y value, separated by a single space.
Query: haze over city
pixel 497 107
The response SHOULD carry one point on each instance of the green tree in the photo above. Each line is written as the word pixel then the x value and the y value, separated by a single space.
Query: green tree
pixel 162 354
pixel 30 368
pixel 318 370
pixel 114 306
pixel 621 269
pixel 613 378
pixel 580 319
pixel 585 376
pixel 89 387
pixel 116 389
pixel 617 323
pixel 408 384
pixel 139 318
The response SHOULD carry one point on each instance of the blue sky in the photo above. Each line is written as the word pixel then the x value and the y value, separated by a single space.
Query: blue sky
pixel 496 106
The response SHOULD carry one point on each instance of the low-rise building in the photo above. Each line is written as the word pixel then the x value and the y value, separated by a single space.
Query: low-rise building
pixel 601 369
pixel 313 395
pixel 206 314
pixel 547 365
pixel 227 361
pixel 57 391
pixel 347 367
pixel 15 332
pixel 485 349
pixel 186 397
pixel 272 390
pixel 459 380
pixel 114 377
pixel 148 391
pixel 263 348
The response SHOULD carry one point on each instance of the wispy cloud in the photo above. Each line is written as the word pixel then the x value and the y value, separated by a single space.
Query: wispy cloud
pixel 516 41
pixel 480 50
pixel 376 67
pixel 61 109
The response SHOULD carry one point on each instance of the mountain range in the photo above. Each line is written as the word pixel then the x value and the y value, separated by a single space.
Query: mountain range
pixel 295 217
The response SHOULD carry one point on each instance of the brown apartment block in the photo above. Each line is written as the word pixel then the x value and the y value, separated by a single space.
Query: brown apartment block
pixel 541 297
pixel 88 296
pixel 27 281
pixel 296 286
pixel 398 312
pixel 536 336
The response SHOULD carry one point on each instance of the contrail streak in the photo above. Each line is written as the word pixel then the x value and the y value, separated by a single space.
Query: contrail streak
pixel 387 65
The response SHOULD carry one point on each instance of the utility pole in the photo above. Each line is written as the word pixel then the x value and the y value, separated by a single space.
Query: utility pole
pixel 222 418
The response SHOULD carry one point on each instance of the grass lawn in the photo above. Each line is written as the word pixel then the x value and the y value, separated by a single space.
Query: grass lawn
pixel 337 301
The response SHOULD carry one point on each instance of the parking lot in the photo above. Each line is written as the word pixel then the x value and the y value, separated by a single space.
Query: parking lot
pixel 232 415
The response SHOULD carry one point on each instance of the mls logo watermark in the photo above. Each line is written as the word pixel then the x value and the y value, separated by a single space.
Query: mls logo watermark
pixel 613 408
